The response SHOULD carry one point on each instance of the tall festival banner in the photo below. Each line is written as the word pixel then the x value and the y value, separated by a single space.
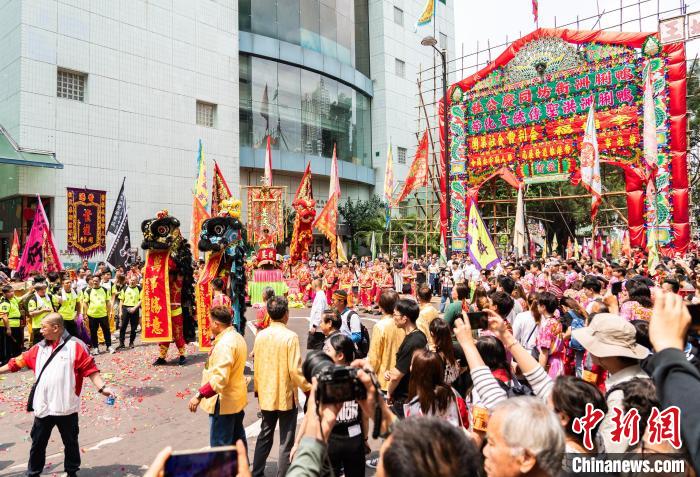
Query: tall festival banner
pixel 86 221
pixel 418 173
pixel 428 13
pixel 204 293
pixel 519 234
pixel 219 190
pixel 13 261
pixel 479 244
pixel 305 207
pixel 327 220
pixel 404 251
pixel 155 302
pixel 590 164
pixel 268 163
pixel 118 235
pixel 40 253
pixel 652 230
pixel 199 201
pixel 388 186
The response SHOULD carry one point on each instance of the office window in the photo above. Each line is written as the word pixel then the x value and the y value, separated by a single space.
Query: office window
pixel 71 85
pixel 401 155
pixel 400 68
pixel 398 16
pixel 443 41
pixel 205 114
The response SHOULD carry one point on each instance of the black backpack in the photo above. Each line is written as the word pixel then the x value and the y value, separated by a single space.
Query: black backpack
pixel 363 346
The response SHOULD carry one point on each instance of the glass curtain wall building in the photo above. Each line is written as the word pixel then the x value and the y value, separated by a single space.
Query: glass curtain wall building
pixel 304 81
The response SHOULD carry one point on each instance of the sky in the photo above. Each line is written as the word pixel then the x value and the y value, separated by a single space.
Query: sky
pixel 482 21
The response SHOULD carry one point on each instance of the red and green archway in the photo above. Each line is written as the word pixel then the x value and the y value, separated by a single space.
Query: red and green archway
pixel 523 116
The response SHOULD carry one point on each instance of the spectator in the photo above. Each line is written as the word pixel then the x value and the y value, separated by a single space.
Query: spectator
pixel 671 285
pixel 223 393
pixel 677 381
pixel 460 294
pixel 330 326
pixel 386 339
pixel 427 311
pixel 576 319
pixel 524 438
pixel 526 324
pixel 452 357
pixel 263 318
pixel 420 447
pixel 446 285
pixel 220 298
pixel 637 305
pixel 316 337
pixel 398 377
pixel 277 375
pixel 591 287
pixel 427 392
pixel 56 398
pixel 550 339
pixel 610 340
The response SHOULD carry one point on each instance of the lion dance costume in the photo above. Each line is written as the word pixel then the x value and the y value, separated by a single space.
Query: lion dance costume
pixel 168 292
pixel 225 237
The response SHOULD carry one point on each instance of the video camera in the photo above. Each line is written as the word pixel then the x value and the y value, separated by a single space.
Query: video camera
pixel 336 384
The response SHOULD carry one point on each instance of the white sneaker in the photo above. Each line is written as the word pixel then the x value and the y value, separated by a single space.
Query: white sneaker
pixel 111 350
pixel 372 463
pixel 94 351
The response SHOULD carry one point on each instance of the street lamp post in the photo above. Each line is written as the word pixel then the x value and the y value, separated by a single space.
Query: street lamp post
pixel 431 41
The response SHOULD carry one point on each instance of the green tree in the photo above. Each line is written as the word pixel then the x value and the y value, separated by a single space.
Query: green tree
pixel 693 104
pixel 361 215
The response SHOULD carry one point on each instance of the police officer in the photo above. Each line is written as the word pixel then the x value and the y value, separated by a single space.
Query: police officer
pixel 130 299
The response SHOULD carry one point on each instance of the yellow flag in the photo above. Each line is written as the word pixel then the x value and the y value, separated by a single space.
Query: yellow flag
pixel 428 13
pixel 481 249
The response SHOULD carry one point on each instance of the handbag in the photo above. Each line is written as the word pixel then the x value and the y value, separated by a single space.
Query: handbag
pixel 30 400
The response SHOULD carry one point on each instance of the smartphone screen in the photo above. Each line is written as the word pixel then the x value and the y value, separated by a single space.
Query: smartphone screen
pixel 478 320
pixel 217 461
pixel 694 311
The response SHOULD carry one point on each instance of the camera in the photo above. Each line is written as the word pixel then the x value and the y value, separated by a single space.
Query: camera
pixel 336 384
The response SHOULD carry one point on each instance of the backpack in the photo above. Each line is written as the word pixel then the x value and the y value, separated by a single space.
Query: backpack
pixel 576 323
pixel 515 388
pixel 362 347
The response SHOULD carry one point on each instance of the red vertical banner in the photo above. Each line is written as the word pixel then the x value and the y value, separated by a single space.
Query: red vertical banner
pixel 155 302
pixel 203 296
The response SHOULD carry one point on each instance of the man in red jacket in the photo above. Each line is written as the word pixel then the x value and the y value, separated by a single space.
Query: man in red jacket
pixel 57 396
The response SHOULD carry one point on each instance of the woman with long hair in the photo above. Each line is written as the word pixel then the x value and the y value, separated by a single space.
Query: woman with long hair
pixel 427 392
pixel 442 337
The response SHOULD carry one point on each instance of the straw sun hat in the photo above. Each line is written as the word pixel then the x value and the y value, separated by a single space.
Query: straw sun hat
pixel 610 335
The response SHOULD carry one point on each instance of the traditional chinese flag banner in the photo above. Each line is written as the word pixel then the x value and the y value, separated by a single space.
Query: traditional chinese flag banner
pixel 13 261
pixel 219 190
pixel 199 201
pixel 481 248
pixel 155 303
pixel 327 223
pixel 40 253
pixel 86 221
pixel 204 295
pixel 265 211
pixel 418 173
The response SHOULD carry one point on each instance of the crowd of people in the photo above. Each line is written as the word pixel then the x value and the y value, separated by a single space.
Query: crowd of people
pixel 512 371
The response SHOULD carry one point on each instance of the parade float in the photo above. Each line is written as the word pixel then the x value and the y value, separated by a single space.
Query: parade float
pixel 265 230
pixel 522 119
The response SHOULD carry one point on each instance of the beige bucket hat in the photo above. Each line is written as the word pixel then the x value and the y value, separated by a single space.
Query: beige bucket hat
pixel 610 335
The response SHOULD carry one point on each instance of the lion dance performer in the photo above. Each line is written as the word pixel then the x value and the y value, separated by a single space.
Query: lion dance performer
pixel 168 294
pixel 226 238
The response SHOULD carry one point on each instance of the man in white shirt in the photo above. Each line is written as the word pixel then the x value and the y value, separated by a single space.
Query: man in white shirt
pixel 316 337
pixel 470 271
pixel 457 274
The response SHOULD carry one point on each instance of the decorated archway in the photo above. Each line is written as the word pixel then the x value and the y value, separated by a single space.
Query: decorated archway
pixel 524 114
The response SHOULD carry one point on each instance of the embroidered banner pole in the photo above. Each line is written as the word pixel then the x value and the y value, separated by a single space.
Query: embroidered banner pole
pixel 86 221
pixel 157 326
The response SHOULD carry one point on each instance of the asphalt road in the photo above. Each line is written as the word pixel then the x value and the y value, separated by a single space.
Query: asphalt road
pixel 149 414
